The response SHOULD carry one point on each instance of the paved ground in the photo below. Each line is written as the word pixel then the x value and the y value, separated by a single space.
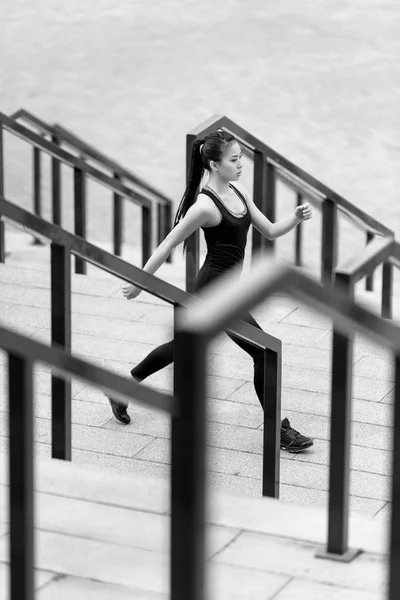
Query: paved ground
pixel 117 334
pixel 319 82
pixel 103 535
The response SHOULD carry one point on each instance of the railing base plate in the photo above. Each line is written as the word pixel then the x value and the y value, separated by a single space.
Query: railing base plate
pixel 347 557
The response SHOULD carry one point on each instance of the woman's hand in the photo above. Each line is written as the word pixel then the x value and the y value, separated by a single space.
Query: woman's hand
pixel 130 291
pixel 303 212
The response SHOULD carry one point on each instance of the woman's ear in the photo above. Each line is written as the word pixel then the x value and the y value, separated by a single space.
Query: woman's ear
pixel 214 165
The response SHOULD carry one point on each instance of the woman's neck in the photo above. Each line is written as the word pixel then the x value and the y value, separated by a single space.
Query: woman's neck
pixel 218 185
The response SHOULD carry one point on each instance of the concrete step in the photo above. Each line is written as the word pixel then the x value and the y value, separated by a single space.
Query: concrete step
pixel 102 534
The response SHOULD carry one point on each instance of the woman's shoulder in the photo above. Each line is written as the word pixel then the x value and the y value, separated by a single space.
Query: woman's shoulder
pixel 205 202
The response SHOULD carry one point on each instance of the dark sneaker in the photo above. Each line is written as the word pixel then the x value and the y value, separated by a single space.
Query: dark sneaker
pixel 119 411
pixel 292 440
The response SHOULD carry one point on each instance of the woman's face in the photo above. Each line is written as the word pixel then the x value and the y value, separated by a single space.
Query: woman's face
pixel 230 167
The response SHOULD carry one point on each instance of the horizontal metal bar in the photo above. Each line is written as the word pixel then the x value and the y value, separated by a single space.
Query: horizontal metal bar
pixel 93 254
pixel 298 186
pixel 365 263
pixel 72 139
pixel 116 266
pixel 17 113
pixel 255 144
pixel 259 338
pixel 207 126
pixel 267 276
pixel 71 367
pixel 311 195
pixel 34 120
pixel 359 222
pixel 71 160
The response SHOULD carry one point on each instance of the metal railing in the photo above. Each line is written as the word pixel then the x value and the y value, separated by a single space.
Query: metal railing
pixel 136 191
pixel 23 353
pixel 187 487
pixel 269 168
pixel 202 321
pixel 62 136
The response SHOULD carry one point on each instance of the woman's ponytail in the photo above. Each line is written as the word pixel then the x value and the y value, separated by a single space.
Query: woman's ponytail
pixel 194 180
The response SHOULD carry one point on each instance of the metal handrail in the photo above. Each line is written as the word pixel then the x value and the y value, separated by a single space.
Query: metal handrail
pixel 77 143
pixel 73 140
pixel 22 353
pixel 288 168
pixel 377 252
pixel 195 328
pixel 368 259
pixel 268 276
pixel 270 167
pixel 71 160
pixel 71 367
pixel 136 191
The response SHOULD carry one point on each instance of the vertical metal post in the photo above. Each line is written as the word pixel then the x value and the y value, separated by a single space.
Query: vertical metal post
pixel 146 234
pixel 272 423
pixel 21 478
pixel 168 224
pixel 299 236
pixel 264 197
pixel 193 242
pixel 37 188
pixel 117 221
pixel 61 336
pixel 369 281
pixel 2 232
pixel 56 185
pixel 329 240
pixel 188 468
pixel 387 290
pixel 80 214
pixel 394 573
pixel 339 468
pixel 160 223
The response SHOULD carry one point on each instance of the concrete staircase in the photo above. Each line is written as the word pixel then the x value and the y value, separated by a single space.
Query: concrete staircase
pixel 113 332
pixel 102 520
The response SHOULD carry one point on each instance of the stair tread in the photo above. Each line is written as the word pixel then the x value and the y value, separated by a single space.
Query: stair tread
pixel 85 514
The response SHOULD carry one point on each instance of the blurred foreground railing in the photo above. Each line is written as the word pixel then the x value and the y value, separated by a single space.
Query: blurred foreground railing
pixel 203 320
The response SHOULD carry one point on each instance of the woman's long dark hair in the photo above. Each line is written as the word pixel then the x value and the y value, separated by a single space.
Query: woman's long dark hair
pixel 203 151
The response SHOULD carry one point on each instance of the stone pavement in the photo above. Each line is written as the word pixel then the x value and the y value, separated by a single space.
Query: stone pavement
pixel 117 334
pixel 102 535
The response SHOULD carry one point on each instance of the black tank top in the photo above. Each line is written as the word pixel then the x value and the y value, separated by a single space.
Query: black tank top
pixel 226 242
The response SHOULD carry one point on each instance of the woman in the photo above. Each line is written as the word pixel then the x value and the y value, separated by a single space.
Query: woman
pixel 225 211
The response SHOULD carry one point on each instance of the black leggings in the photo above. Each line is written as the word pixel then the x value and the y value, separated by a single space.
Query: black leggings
pixel 164 355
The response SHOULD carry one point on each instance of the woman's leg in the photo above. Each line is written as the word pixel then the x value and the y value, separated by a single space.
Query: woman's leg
pixel 257 356
pixel 291 439
pixel 155 361
pixel 159 357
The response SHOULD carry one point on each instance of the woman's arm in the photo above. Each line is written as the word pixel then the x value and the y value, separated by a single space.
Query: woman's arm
pixel 197 216
pixel 274 230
